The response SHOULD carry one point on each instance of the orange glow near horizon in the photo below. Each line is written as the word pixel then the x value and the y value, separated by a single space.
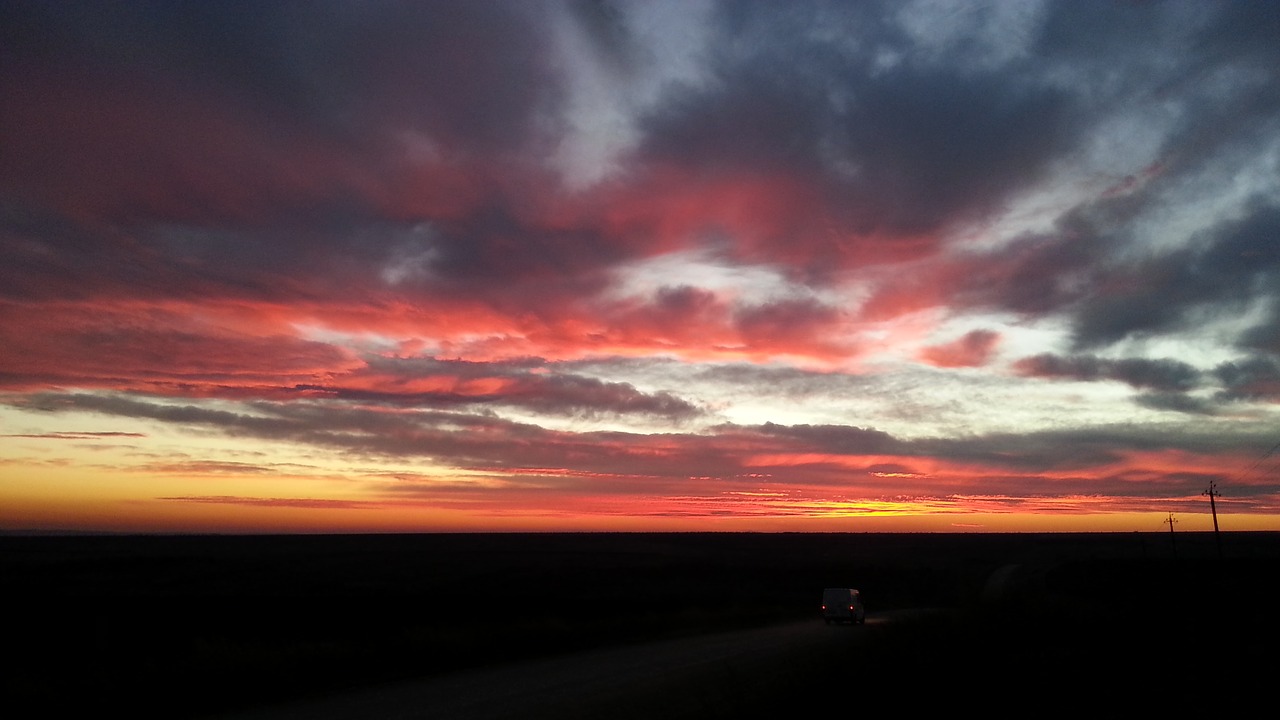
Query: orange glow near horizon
pixel 137 505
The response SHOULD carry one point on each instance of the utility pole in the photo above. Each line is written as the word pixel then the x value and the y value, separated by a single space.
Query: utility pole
pixel 1212 492
pixel 1173 543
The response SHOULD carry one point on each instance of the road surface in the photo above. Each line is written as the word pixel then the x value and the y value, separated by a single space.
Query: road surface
pixel 710 676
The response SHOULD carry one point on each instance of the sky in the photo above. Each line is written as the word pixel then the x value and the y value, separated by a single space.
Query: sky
pixel 671 265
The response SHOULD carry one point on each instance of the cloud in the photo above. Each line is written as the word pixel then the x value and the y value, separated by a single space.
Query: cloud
pixel 974 349
pixel 1254 377
pixel 1178 402
pixel 530 384
pixel 1236 268
pixel 150 348
pixel 105 435
pixel 895 150
pixel 307 503
pixel 669 249
pixel 852 440
pixel 791 459
pixel 1168 375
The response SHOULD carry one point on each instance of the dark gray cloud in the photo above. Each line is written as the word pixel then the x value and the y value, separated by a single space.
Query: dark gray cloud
pixel 897 149
pixel 1167 375
pixel 1079 448
pixel 836 438
pixel 530 384
pixel 1235 264
pixel 1090 272
pixel 1254 378
pixel 471 73
pixel 109 435
pixel 1178 402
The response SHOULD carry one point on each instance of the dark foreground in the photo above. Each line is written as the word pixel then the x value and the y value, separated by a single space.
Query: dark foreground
pixel 194 626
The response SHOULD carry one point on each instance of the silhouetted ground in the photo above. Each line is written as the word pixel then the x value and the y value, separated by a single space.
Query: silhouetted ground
pixel 181 626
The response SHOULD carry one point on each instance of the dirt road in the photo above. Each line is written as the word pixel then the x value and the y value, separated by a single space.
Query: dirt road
pixel 712 676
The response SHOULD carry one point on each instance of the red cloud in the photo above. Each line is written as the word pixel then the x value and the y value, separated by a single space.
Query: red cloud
pixel 147 348
pixel 154 146
pixel 974 349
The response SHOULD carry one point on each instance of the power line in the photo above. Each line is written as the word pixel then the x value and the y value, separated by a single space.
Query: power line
pixel 1258 462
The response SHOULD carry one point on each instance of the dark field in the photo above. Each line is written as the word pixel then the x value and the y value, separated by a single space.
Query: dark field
pixel 194 625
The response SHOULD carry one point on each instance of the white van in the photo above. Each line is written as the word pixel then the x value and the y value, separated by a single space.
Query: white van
pixel 843 605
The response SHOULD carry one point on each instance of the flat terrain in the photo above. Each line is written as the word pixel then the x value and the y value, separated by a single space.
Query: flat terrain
pixel 726 674
pixel 197 626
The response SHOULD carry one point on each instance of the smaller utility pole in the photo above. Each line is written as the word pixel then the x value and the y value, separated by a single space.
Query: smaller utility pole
pixel 1173 543
pixel 1212 492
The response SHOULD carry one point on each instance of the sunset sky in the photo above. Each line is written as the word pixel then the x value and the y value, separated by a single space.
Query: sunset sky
pixel 662 265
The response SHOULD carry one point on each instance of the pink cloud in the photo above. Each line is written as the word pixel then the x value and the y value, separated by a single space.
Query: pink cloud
pixel 148 348
pixel 974 349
